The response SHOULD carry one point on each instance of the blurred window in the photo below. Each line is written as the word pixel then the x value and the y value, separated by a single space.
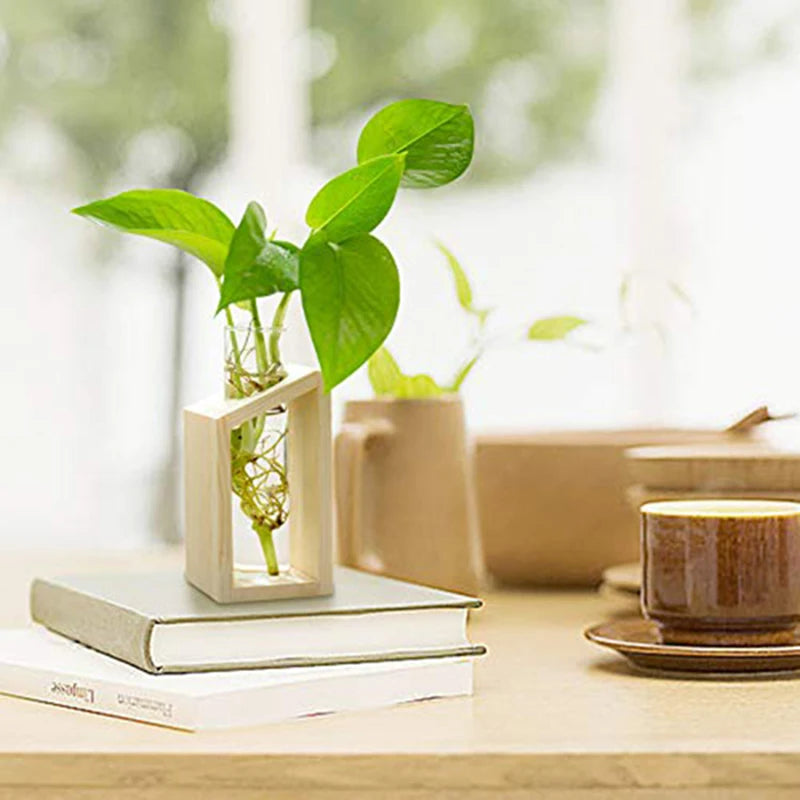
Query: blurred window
pixel 634 166
pixel 96 95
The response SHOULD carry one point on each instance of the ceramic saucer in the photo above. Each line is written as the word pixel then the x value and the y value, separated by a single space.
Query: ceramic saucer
pixel 640 642
pixel 625 578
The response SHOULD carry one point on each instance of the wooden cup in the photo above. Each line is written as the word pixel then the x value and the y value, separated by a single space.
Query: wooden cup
pixel 404 492
pixel 722 572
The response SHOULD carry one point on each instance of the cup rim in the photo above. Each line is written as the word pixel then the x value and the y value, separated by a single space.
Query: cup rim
pixel 722 508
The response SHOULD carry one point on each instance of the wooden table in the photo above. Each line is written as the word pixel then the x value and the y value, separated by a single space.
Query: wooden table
pixel 553 717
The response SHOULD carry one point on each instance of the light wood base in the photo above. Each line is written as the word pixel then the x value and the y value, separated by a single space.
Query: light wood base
pixel 207 428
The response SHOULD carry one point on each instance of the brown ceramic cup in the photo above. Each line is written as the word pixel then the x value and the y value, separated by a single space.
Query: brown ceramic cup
pixel 722 572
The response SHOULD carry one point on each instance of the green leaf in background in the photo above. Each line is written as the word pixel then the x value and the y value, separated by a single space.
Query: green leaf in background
pixel 387 379
pixel 463 288
pixel 681 294
pixel 256 266
pixel 437 138
pixel 463 372
pixel 356 201
pixel 553 328
pixel 351 292
pixel 169 215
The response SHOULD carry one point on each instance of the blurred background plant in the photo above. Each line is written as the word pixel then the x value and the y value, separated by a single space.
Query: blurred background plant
pixel 111 79
pixel 387 379
pixel 531 71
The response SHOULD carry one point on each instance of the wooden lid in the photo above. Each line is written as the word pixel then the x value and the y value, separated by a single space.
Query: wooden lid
pixel 715 468
pixel 741 431
pixel 621 438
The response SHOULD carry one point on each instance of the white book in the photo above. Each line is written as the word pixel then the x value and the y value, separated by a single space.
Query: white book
pixel 39 665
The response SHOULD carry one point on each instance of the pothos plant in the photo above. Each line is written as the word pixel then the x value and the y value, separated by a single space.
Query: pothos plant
pixel 346 277
pixel 387 379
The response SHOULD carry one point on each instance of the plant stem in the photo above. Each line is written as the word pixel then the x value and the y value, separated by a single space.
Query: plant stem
pixel 268 547
pixel 237 356
pixel 261 346
pixel 463 372
pixel 258 479
pixel 277 328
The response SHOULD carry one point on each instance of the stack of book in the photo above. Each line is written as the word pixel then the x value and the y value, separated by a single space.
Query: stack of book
pixel 152 648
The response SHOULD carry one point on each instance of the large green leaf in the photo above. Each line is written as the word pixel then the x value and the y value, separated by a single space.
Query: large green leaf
pixel 350 293
pixel 463 288
pixel 357 200
pixel 552 328
pixel 178 218
pixel 388 380
pixel 255 266
pixel 437 138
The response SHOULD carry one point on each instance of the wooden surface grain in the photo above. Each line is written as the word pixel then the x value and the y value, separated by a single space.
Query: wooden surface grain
pixel 553 716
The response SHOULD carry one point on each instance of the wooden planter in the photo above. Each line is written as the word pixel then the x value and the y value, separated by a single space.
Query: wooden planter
pixel 553 506
pixel 405 495
pixel 207 473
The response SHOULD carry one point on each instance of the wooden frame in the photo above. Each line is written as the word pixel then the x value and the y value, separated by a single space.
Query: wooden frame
pixel 207 430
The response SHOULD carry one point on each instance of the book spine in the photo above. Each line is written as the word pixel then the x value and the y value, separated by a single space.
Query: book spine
pixel 113 630
pixel 97 696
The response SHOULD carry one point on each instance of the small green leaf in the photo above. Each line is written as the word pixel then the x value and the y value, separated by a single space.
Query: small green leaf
pixel 356 201
pixel 387 379
pixel 351 292
pixel 437 138
pixel 178 218
pixel 383 372
pixel 552 328
pixel 256 266
pixel 681 294
pixel 463 288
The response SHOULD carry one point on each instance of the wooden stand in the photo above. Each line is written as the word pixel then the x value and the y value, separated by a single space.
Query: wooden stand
pixel 207 430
